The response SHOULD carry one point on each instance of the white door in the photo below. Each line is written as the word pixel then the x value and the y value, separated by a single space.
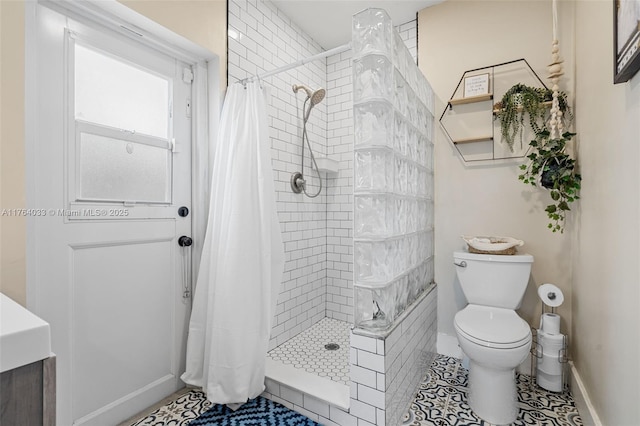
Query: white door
pixel 113 168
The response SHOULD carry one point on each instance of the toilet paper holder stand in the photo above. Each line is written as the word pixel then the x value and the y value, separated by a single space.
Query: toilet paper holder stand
pixel 552 298
pixel 537 351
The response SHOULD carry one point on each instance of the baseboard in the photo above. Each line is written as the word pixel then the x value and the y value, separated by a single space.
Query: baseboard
pixel 581 398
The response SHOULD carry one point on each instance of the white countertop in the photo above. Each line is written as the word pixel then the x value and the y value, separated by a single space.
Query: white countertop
pixel 24 338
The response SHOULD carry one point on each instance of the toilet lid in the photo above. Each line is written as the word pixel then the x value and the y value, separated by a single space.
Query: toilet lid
pixel 494 327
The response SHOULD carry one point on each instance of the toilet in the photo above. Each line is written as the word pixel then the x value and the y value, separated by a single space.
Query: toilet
pixel 490 332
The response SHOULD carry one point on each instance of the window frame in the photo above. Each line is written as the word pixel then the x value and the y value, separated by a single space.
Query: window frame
pixel 146 60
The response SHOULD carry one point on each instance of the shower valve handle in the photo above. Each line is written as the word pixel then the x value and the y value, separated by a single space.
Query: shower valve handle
pixel 297 182
pixel 185 241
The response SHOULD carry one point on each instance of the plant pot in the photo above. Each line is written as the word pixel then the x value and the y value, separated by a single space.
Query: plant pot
pixel 552 167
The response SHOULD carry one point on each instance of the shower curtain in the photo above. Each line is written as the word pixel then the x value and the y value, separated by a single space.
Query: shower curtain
pixel 243 258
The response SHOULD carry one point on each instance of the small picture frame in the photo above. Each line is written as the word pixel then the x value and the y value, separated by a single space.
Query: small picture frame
pixel 626 39
pixel 476 85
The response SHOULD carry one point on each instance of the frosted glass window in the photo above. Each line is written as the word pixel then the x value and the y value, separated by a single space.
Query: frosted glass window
pixel 119 170
pixel 116 94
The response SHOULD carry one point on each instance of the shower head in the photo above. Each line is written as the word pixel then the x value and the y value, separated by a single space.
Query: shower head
pixel 315 97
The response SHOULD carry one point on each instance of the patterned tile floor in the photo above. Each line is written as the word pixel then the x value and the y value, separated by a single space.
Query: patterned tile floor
pixel 306 350
pixel 442 401
pixel 181 409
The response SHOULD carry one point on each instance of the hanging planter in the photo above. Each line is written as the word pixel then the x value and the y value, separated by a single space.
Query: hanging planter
pixel 552 168
pixel 550 165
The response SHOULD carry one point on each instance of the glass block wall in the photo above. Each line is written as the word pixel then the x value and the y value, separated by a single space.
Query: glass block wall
pixel 393 173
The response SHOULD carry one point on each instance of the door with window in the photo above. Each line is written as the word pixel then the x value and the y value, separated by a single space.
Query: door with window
pixel 113 168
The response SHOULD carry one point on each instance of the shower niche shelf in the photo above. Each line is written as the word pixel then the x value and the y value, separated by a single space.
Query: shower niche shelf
pixel 327 165
pixel 470 121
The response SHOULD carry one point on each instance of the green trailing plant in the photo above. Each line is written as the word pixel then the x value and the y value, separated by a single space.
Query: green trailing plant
pixel 522 100
pixel 551 167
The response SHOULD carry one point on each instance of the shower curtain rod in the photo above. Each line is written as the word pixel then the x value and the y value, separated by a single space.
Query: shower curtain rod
pixel 298 63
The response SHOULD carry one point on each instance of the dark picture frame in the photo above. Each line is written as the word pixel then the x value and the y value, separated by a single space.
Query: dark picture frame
pixel 626 39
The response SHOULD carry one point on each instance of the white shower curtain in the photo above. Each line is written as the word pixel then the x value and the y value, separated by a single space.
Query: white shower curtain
pixel 242 261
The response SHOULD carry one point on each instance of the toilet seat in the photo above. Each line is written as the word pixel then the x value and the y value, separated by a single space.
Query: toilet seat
pixel 492 327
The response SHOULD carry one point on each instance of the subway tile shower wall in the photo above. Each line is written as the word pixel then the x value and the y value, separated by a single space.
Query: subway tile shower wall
pixel 317 233
pixel 262 38
pixel 340 188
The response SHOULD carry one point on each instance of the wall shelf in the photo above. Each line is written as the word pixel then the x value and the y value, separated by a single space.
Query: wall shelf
pixel 475 139
pixel 471 122
pixel 471 99
pixel 498 110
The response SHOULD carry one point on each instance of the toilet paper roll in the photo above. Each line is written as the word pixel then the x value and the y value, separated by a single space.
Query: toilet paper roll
pixel 550 343
pixel 550 364
pixel 551 295
pixel 551 382
pixel 550 323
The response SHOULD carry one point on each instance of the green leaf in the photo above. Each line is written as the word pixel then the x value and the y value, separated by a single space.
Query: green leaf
pixel 555 195
pixel 550 208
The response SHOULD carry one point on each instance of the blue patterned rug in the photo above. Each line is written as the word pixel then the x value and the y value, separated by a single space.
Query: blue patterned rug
pixel 256 412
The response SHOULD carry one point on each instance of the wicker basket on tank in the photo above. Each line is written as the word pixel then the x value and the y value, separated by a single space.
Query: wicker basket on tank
pixel 493 245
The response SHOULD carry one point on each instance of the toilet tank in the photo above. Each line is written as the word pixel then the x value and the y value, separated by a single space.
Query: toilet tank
pixel 493 280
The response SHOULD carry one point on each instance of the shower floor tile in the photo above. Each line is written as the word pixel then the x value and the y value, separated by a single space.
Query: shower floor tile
pixel 306 351
pixel 442 400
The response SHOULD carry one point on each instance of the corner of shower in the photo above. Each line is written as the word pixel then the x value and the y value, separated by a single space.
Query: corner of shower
pixel 389 280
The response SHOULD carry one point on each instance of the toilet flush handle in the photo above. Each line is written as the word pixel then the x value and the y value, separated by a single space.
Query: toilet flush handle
pixel 462 264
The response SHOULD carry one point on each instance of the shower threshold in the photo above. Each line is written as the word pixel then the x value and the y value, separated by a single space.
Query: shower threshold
pixel 333 393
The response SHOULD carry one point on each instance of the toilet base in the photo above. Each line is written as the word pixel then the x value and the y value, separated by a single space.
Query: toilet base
pixel 492 394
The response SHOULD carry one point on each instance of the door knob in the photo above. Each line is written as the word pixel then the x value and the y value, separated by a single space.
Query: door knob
pixel 185 241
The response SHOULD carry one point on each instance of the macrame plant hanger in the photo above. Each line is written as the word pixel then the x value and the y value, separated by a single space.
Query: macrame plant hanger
pixel 556 126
